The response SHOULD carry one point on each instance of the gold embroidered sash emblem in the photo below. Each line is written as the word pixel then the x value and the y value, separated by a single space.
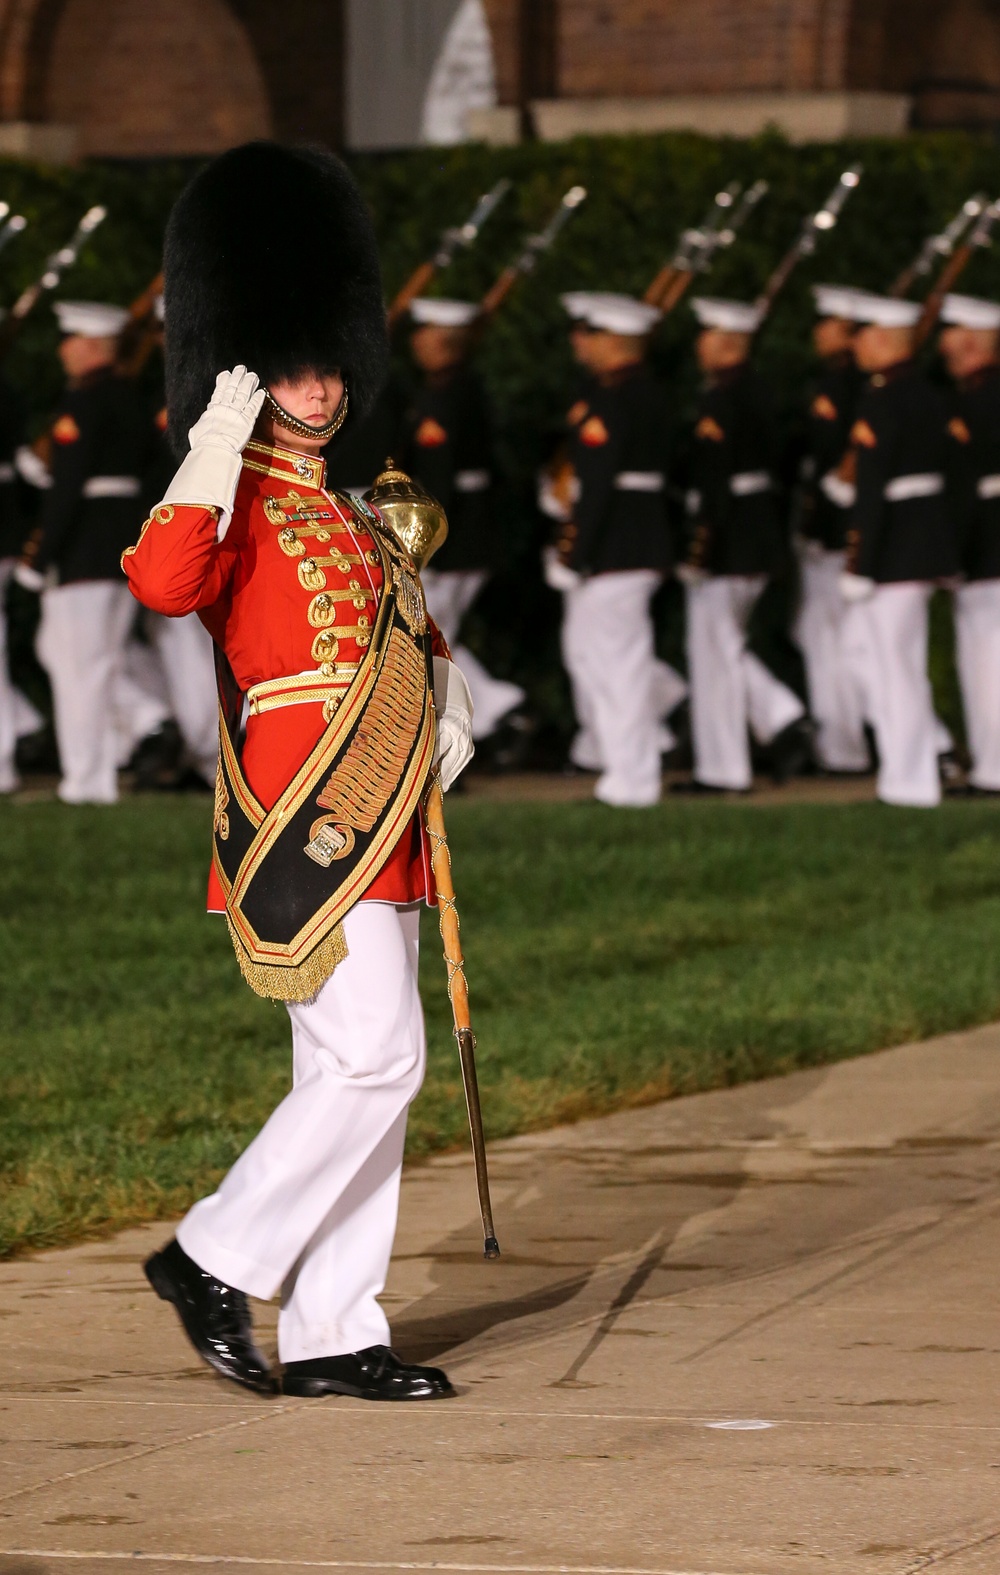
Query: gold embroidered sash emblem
pixel 359 789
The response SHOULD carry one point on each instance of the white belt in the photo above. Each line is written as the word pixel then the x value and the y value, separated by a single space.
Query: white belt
pixel 640 481
pixel 843 493
pixel 748 482
pixel 7 472
pixel 472 480
pixel 988 487
pixel 111 487
pixel 926 484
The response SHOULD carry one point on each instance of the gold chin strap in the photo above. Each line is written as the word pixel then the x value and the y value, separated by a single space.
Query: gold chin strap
pixel 299 428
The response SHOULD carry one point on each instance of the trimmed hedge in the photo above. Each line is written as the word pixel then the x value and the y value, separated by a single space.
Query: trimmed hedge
pixel 643 191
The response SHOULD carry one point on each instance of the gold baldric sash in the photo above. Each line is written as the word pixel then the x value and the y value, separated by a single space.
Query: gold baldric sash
pixel 291 873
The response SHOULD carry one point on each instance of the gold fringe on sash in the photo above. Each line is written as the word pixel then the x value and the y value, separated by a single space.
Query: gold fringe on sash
pixel 292 984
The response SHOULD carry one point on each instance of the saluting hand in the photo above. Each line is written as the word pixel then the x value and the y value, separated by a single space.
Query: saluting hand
pixel 209 474
pixel 231 414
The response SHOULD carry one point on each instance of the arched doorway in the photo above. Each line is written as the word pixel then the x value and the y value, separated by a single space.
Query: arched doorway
pixel 148 79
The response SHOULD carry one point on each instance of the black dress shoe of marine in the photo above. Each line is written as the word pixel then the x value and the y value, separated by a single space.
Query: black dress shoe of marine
pixel 969 790
pixel 695 789
pixel 216 1318
pixel 375 1373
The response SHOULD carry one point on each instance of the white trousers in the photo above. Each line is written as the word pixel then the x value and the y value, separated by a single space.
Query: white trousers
pixel 836 688
pixel 450 593
pixel 906 728
pixel 80 643
pixel 731 689
pixel 609 653
pixel 185 649
pixel 17 714
pixel 309 1209
pixel 141 706
pixel 977 637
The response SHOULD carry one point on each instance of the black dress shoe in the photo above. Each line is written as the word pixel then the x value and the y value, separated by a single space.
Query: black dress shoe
pixel 373 1374
pixel 791 751
pixel 216 1318
pixel 695 789
pixel 969 790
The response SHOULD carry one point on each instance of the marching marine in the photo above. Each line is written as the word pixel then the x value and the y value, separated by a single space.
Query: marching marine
pixel 320 866
pixel 970 347
pixel 612 547
pixel 736 543
pixel 823 625
pixel 446 443
pixel 18 716
pixel 100 442
pixel 901 542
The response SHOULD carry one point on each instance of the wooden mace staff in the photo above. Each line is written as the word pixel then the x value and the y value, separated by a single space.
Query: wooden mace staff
pixel 458 994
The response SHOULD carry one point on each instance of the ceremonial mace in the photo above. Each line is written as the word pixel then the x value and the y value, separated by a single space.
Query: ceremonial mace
pixel 419 523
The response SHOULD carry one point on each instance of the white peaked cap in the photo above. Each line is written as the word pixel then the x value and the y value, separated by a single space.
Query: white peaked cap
pixel 885 310
pixel 734 317
pixel 436 312
pixel 970 311
pixel 835 300
pixel 616 314
pixel 90 319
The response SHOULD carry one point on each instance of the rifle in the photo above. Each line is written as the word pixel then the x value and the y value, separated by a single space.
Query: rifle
pixel 691 243
pixel 941 245
pixel 805 243
pixel 979 237
pixel 139 336
pixel 714 241
pixel 527 259
pixel 458 235
pixel 56 265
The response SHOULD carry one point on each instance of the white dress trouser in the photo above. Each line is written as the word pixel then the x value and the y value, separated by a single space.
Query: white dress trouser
pixel 836 695
pixel 80 643
pixel 141 706
pixel 450 593
pixel 185 649
pixel 609 653
pixel 17 714
pixel 309 1209
pixel 906 728
pixel 731 689
pixel 977 635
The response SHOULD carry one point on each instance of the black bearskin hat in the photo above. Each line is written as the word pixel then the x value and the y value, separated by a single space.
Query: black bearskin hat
pixel 270 262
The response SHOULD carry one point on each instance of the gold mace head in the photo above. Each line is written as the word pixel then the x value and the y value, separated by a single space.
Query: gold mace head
pixel 416 519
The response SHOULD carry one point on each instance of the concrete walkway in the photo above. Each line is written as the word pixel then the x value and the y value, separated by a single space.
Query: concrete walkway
pixel 746 1333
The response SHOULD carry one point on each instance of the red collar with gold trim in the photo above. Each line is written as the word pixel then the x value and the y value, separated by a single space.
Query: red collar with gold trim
pixel 285 464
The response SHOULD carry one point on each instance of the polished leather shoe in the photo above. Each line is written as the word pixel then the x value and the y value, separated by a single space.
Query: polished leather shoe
pixel 375 1373
pixel 216 1318
pixel 690 787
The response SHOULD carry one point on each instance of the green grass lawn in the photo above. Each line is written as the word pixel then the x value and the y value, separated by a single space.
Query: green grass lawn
pixel 613 957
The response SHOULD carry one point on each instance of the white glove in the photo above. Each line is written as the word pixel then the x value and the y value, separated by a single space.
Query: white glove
pixel 856 587
pixel 549 501
pixel 690 575
pixel 30 579
pixel 208 476
pixel 31 468
pixel 556 574
pixel 453 748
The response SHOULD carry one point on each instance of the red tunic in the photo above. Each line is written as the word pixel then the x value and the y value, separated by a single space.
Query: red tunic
pixel 248 592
